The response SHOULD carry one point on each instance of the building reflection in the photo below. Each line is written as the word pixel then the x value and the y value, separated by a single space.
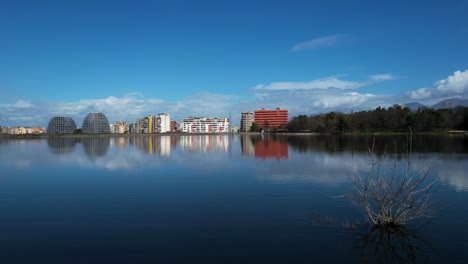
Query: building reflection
pixel 120 142
pixel 159 145
pixel 95 146
pixel 204 143
pixel 247 145
pixel 264 147
pixel 61 145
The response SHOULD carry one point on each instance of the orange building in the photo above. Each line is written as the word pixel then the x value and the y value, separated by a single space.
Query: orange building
pixel 267 119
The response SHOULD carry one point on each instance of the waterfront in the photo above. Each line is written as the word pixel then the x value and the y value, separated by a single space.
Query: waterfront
pixel 215 198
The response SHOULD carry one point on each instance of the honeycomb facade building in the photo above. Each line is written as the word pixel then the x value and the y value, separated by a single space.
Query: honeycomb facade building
pixel 61 125
pixel 96 123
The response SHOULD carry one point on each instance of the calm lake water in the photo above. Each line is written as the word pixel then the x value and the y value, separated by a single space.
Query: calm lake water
pixel 218 199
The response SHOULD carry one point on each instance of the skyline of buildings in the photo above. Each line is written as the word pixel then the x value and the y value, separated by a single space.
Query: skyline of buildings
pixel 97 123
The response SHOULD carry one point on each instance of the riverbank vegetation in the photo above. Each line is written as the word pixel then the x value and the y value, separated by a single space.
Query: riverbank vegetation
pixel 392 119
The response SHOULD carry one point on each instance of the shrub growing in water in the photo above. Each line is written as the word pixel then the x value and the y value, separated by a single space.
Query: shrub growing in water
pixel 392 194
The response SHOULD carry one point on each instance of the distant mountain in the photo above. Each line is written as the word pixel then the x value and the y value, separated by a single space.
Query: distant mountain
pixel 451 103
pixel 414 106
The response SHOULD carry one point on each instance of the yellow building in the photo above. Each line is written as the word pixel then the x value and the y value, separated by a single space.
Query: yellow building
pixel 151 124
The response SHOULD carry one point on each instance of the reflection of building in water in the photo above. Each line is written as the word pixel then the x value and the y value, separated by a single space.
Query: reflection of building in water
pixel 246 145
pixel 119 142
pixel 269 148
pixel 61 145
pixel 96 146
pixel 205 143
pixel 160 145
pixel 263 147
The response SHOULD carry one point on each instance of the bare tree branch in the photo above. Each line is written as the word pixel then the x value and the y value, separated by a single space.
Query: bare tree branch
pixel 391 197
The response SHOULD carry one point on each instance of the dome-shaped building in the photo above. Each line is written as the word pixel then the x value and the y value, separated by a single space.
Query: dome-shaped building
pixel 61 125
pixel 95 123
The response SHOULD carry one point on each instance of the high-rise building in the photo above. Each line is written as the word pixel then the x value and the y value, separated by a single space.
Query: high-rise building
pixel 96 123
pixel 246 121
pixel 151 124
pixel 163 123
pixel 267 119
pixel 61 125
pixel 132 128
pixel 142 125
pixel 160 123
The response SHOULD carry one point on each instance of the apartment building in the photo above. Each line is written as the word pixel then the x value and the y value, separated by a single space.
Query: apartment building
pixel 205 125
pixel 247 119
pixel 267 119
pixel 120 127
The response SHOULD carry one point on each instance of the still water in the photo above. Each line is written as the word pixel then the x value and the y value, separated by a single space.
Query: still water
pixel 217 199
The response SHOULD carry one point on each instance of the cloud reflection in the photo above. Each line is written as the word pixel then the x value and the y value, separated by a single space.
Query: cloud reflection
pixel 316 160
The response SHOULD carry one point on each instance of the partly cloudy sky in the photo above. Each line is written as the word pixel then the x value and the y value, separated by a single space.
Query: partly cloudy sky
pixel 215 58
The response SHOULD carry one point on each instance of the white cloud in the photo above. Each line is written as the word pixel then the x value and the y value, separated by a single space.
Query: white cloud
pixel 128 108
pixel 381 77
pixel 317 43
pixel 23 104
pixel 456 83
pixel 453 85
pixel 421 93
pixel 352 99
pixel 325 83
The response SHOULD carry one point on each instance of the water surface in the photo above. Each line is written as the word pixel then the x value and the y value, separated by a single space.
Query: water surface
pixel 217 199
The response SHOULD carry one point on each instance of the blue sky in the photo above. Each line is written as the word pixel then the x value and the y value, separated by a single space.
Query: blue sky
pixel 129 59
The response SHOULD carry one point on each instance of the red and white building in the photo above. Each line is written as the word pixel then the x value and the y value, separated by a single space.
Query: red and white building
pixel 204 125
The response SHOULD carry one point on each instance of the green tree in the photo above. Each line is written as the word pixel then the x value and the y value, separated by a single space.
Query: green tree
pixel 254 127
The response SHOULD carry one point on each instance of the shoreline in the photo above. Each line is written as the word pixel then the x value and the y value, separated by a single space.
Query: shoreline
pixel 46 136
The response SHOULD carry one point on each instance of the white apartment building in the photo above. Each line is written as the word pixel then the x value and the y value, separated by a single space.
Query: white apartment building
pixel 205 125
pixel 163 123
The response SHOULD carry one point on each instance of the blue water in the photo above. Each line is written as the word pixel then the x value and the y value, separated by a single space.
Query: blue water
pixel 216 199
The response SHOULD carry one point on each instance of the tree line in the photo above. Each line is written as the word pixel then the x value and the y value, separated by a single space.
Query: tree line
pixel 392 119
